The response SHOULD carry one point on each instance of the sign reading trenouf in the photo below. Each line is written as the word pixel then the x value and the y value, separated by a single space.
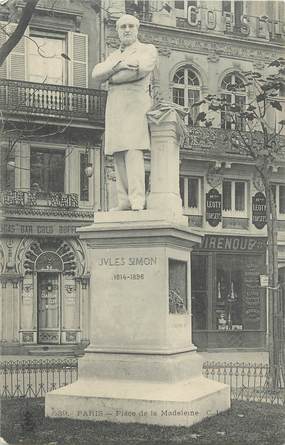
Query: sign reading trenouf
pixel 259 210
pixel 234 243
pixel 213 207
pixel 38 229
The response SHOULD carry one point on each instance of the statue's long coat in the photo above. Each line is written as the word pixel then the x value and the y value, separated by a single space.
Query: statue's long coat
pixel 128 103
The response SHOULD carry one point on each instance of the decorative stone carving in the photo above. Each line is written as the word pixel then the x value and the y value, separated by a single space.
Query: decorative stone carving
pixel 164 51
pixel 178 39
pixel 10 265
pixel 257 182
pixel 27 337
pixel 58 256
pixel 110 174
pixel 176 302
pixel 48 212
pixel 214 58
pixel 81 256
pixel 214 177
pixel 49 337
pixel 71 337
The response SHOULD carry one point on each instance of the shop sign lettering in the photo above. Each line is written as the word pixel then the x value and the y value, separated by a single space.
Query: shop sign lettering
pixel 261 27
pixel 213 207
pixel 259 210
pixel 37 229
pixel 233 243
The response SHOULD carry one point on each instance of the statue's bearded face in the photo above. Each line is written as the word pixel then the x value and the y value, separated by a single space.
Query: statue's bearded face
pixel 128 32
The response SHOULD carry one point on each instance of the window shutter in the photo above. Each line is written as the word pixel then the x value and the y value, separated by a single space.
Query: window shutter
pixel 78 53
pixel 17 58
pixel 3 37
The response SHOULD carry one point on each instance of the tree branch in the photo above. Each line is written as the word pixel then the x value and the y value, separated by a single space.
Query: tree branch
pixel 16 36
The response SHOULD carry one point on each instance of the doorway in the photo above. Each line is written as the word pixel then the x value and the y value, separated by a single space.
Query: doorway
pixel 49 307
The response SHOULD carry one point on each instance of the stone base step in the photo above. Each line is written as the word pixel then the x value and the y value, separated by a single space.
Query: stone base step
pixel 57 350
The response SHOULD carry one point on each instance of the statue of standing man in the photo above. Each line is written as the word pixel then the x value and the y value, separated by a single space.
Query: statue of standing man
pixel 128 71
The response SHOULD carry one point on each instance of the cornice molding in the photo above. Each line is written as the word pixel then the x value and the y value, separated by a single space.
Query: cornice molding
pixel 173 39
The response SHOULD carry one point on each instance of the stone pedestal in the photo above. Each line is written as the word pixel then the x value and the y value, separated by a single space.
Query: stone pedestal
pixel 141 365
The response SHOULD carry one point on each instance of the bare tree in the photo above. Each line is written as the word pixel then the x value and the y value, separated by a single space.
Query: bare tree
pixel 259 136
pixel 14 38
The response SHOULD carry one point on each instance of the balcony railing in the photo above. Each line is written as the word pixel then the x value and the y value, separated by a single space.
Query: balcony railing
pixel 218 140
pixel 52 100
pixel 17 198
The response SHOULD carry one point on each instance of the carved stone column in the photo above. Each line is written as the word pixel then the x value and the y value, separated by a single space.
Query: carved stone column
pixel 167 132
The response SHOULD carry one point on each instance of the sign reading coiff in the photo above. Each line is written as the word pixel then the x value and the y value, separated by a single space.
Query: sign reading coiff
pixel 10 227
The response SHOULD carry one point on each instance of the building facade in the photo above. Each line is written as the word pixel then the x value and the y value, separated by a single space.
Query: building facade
pixel 51 132
pixel 58 114
pixel 204 47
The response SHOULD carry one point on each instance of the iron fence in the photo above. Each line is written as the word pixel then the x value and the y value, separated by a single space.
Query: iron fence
pixel 250 381
pixel 34 378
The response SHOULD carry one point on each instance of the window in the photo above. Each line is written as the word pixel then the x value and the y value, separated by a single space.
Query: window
pixel 186 90
pixel 234 198
pixel 138 8
pixel 190 192
pixel 238 297
pixel 47 171
pixel 236 97
pixel 279 195
pixel 8 167
pixel 234 7
pixel 46 64
pixel 183 5
pixel 84 180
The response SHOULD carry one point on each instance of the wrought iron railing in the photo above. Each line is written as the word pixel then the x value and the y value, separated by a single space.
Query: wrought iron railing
pixel 219 140
pixel 20 198
pixel 34 378
pixel 52 100
pixel 250 381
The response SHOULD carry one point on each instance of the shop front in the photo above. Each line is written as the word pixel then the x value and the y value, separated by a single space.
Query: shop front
pixel 228 301
pixel 45 290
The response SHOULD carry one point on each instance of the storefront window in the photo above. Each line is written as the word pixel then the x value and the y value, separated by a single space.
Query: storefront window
pixel 238 292
pixel 229 293
pixel 84 180
pixel 47 171
pixel 199 291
